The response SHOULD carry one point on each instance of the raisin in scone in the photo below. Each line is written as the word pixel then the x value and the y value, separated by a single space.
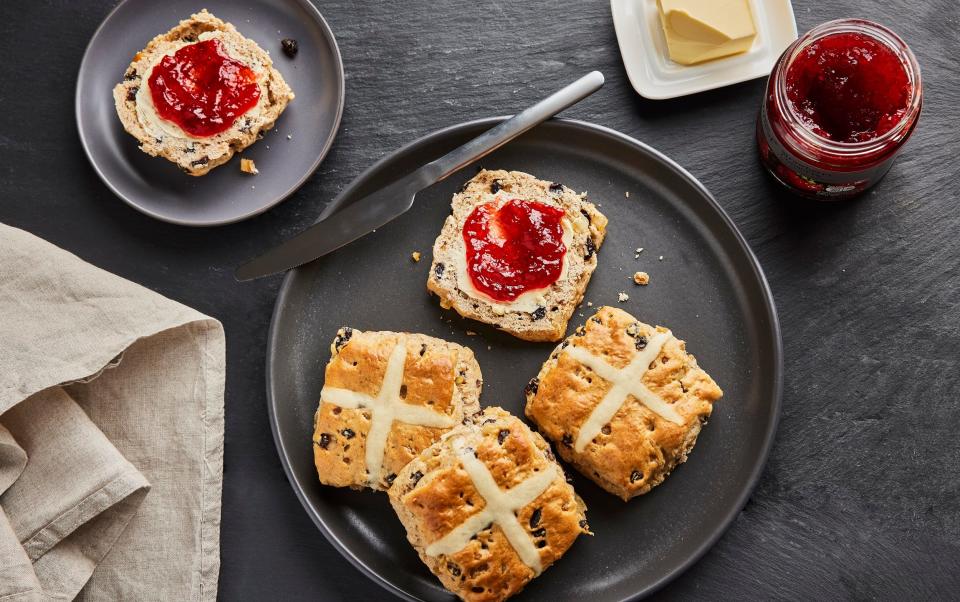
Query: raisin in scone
pixel 252 73
pixel 488 507
pixel 517 253
pixel 622 401
pixel 386 397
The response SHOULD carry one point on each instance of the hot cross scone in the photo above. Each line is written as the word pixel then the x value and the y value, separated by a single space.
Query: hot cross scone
pixel 623 402
pixel 487 507
pixel 386 397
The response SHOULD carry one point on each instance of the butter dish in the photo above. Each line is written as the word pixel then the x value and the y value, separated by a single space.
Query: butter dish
pixel 654 75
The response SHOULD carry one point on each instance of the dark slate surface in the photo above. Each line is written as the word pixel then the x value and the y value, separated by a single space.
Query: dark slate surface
pixel 861 496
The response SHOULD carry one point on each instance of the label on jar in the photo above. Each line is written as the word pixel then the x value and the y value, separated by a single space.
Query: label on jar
pixel 810 179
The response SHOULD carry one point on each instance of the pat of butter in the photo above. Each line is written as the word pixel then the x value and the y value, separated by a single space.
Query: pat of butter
pixel 702 30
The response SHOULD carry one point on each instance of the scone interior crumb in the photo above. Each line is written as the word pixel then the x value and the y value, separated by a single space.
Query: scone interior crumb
pixel 543 314
pixel 197 156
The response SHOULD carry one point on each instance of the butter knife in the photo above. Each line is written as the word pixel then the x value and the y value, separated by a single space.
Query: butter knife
pixel 335 229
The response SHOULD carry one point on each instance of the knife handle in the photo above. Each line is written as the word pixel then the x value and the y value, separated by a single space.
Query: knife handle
pixel 499 135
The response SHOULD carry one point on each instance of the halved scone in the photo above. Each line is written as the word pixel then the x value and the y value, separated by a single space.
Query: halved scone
pixel 529 296
pixel 488 507
pixel 160 137
pixel 386 397
pixel 622 401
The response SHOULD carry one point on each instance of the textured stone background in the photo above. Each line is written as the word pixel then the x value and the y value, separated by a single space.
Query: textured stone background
pixel 861 496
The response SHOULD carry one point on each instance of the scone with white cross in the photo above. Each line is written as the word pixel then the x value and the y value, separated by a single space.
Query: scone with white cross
pixel 517 253
pixel 386 397
pixel 487 507
pixel 622 401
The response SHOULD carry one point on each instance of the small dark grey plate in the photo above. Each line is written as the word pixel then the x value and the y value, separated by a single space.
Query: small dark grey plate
pixel 708 289
pixel 157 187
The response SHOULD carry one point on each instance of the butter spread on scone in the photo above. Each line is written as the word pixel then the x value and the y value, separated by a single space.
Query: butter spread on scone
pixel 157 126
pixel 487 507
pixel 386 397
pixel 517 253
pixel 235 128
pixel 623 401
pixel 529 300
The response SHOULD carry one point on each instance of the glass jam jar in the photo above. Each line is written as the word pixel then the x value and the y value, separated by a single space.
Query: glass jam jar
pixel 840 103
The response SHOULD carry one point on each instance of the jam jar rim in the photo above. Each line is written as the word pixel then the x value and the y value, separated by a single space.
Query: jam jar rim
pixel 824 148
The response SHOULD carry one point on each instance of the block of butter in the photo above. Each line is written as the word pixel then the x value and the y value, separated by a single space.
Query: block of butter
pixel 702 30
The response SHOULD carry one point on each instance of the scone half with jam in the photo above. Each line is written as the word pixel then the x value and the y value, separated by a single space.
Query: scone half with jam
pixel 386 397
pixel 622 401
pixel 517 253
pixel 199 93
pixel 487 507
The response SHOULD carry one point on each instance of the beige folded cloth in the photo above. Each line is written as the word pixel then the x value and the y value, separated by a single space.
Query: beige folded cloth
pixel 111 434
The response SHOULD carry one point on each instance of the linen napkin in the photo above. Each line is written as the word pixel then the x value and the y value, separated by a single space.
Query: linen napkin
pixel 111 434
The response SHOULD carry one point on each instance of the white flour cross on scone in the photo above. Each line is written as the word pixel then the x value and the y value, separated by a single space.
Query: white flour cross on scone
pixel 500 507
pixel 626 381
pixel 386 407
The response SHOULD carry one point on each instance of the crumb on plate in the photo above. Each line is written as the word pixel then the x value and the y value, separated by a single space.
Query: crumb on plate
pixel 415 256
pixel 622 297
pixel 248 166
pixel 641 278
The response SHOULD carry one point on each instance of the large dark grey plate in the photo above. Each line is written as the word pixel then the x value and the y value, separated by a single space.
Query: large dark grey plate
pixel 708 288
pixel 157 187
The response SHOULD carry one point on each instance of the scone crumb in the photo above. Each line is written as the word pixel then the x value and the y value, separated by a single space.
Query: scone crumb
pixel 627 194
pixel 623 297
pixel 471 333
pixel 415 256
pixel 589 303
pixel 641 278
pixel 661 258
pixel 248 166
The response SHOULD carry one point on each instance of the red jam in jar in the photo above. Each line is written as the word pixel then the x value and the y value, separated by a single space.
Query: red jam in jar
pixel 514 248
pixel 840 103
pixel 202 89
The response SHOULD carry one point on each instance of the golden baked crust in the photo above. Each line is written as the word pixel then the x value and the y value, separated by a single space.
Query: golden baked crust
pixel 436 494
pixel 440 379
pixel 637 448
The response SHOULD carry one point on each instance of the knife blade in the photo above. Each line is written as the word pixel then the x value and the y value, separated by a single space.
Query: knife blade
pixel 341 228
pixel 337 227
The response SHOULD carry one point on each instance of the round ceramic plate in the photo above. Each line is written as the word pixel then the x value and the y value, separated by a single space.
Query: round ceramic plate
pixel 708 289
pixel 157 187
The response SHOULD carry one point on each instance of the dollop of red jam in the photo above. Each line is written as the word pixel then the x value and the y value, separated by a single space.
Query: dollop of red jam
pixel 514 248
pixel 202 89
pixel 849 87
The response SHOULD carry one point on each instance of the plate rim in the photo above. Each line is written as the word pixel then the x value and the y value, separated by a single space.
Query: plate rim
pixel 327 145
pixel 769 304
